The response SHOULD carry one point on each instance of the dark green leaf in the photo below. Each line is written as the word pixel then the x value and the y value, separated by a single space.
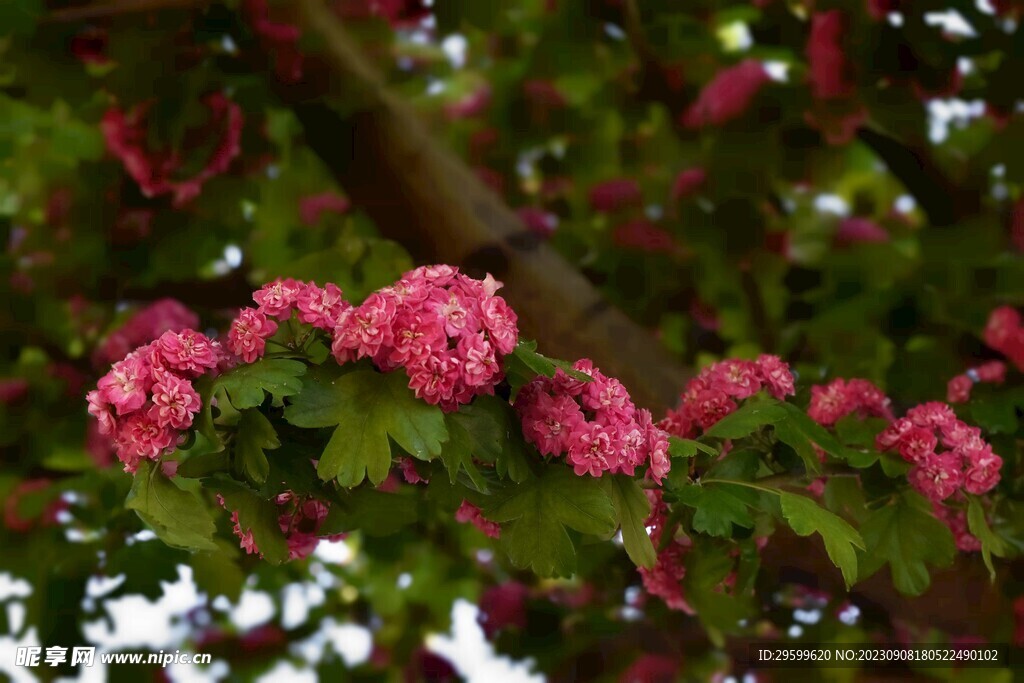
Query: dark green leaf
pixel 473 431
pixel 204 465
pixel 217 573
pixel 255 433
pixel 255 514
pixel 373 512
pixel 801 423
pixel 907 536
pixel 632 509
pixel 176 513
pixel 789 434
pixel 537 514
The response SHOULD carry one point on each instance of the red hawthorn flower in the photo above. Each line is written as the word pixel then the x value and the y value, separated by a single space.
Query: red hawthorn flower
pixel 727 96
pixel 90 46
pixel 880 9
pixel 614 195
pixel 491 178
pixel 503 606
pixel 1017 225
pixel 281 39
pixel 858 230
pixel 398 13
pixel 688 182
pixel 643 235
pixel 544 94
pixel 470 105
pixel 651 668
pixel 125 135
pixel 537 220
pixel 313 206
pixel 830 72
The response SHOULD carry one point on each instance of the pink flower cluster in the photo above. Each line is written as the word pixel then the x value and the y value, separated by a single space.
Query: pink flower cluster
pixel 446 330
pixel 665 578
pixel 146 401
pixel 956 520
pixel 471 514
pixel 594 424
pixel 300 520
pixel 1004 333
pixel 967 461
pixel 320 307
pixel 958 390
pixel 713 393
pixel 833 401
pixel 126 134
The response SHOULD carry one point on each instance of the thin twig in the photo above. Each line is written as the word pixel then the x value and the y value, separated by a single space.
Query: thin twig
pixel 117 8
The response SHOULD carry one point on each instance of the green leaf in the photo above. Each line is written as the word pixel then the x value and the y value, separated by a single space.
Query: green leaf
pixel 513 460
pixel 787 433
pixel 472 431
pixel 537 514
pixel 806 517
pixel 995 414
pixel 246 383
pixel 367 408
pixel 802 424
pixel 526 355
pixel 687 448
pixel 749 418
pixel 255 514
pixel 373 512
pixel 205 386
pixel 632 509
pixel 708 563
pixel 217 573
pixel 718 507
pixel 906 535
pixel 255 434
pixel 176 513
pixel 991 544
pixel 204 465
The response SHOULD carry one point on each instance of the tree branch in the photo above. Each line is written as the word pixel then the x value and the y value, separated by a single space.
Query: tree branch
pixel 424 197
pixel 116 8
pixel 944 202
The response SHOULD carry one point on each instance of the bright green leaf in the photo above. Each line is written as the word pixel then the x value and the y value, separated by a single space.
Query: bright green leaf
pixel 246 383
pixel 747 419
pixel 991 544
pixel 687 448
pixel 806 517
pixel 718 507
pixel 367 407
